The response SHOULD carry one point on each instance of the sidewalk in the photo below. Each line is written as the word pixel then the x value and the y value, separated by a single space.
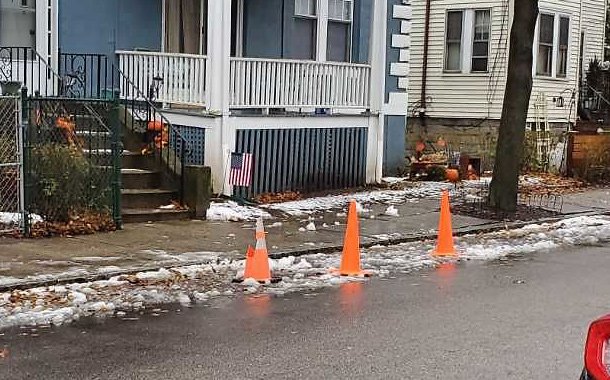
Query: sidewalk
pixel 154 245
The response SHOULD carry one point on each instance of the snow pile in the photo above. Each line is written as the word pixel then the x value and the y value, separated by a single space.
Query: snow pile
pixel 579 231
pixel 312 205
pixel 14 218
pixel 231 211
pixel 388 197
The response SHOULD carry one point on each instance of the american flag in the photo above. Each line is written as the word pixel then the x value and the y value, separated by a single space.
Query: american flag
pixel 241 169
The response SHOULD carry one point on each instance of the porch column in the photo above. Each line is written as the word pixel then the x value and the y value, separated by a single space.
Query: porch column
pixel 219 49
pixel 322 30
pixel 217 82
pixel 378 73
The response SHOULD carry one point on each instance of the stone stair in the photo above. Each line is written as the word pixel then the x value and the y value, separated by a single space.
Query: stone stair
pixel 145 189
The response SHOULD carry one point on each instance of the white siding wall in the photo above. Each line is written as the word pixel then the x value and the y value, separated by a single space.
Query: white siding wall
pixel 480 96
pixel 593 14
pixel 555 87
pixel 456 95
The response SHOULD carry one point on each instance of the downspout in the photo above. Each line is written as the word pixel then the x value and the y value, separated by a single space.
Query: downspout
pixel 424 74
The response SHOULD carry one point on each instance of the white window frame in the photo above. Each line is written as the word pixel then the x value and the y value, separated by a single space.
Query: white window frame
pixel 467 41
pixel 297 9
pixel 344 4
pixel 557 16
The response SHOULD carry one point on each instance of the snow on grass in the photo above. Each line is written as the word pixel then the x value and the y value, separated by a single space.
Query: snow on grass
pixel 231 211
pixel 389 197
pixel 14 218
pixel 57 305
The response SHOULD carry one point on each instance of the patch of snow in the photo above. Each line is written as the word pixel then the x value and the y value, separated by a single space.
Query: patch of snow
pixel 231 211
pixel 321 204
pixel 393 180
pixel 391 211
pixel 311 226
pixel 250 282
pixel 14 218
pixel 360 209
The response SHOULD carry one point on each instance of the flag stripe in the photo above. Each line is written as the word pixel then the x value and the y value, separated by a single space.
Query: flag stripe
pixel 241 169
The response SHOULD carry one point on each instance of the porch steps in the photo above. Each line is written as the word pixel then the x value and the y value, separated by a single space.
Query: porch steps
pixel 146 198
pixel 144 191
pixel 143 215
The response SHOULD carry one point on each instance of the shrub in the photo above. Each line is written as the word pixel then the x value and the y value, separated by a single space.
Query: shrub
pixel 64 183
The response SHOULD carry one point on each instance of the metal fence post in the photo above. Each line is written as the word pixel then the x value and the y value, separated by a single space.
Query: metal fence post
pixel 117 149
pixel 25 170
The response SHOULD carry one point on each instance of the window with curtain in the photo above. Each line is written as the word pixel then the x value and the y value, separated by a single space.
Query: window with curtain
pixel 562 51
pixel 453 41
pixel 546 30
pixel 480 42
pixel 183 28
pixel 18 23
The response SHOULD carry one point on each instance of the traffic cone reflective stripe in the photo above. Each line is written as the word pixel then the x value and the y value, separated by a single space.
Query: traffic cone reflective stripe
pixel 350 259
pixel 257 259
pixel 444 244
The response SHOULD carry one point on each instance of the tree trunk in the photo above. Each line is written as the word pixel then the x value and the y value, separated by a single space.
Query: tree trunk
pixel 504 184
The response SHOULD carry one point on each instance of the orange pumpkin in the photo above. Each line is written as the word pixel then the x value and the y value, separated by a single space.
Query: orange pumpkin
pixel 452 175
pixel 155 126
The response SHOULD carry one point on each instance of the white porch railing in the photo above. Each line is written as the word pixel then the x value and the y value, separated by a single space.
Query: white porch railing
pixel 261 83
pixel 183 75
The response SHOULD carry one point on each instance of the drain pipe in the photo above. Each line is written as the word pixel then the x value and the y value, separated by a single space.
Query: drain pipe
pixel 424 74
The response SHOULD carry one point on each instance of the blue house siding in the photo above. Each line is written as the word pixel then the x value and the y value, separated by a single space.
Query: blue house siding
pixel 362 30
pixel 395 130
pixel 94 26
pixel 272 31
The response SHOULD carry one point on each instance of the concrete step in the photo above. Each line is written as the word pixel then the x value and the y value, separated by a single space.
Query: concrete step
pixel 140 179
pixel 143 215
pixel 103 157
pixel 94 140
pixel 147 198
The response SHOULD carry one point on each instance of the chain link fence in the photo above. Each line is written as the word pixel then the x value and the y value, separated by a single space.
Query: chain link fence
pixel 72 164
pixel 10 164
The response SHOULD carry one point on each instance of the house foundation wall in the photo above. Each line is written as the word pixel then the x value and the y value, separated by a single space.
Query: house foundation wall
pixel 476 138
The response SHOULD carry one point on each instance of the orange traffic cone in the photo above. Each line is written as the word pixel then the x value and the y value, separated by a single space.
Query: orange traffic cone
pixel 444 244
pixel 350 260
pixel 257 260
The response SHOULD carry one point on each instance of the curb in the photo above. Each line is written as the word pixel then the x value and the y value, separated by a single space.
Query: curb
pixel 368 243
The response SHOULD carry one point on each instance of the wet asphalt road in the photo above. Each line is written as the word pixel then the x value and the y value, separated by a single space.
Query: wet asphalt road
pixel 521 319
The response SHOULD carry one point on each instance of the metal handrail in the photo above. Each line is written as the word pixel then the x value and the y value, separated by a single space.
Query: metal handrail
pixel 598 93
pixel 143 97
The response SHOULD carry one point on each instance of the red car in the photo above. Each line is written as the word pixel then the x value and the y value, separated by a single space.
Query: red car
pixel 597 351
